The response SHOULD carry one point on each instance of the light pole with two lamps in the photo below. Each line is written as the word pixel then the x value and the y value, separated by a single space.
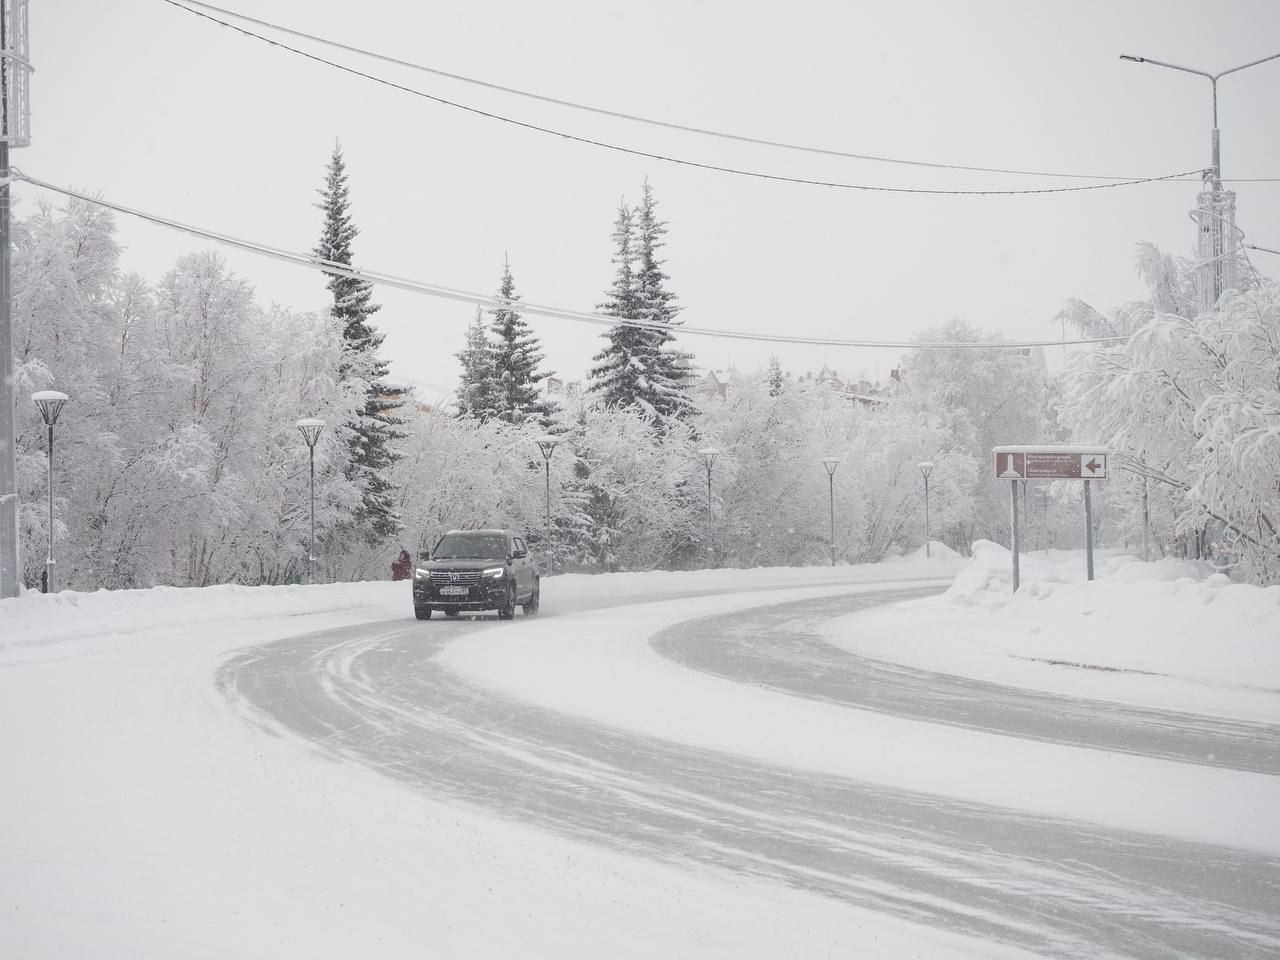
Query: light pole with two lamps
pixel 311 428
pixel 50 403
pixel 926 468
pixel 831 463
pixel 1216 207
pixel 708 455
pixel 547 444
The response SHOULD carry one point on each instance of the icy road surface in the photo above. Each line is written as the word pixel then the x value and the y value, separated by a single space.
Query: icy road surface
pixel 380 695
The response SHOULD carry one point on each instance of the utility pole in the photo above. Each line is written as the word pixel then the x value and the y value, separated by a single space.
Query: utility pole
pixel 15 119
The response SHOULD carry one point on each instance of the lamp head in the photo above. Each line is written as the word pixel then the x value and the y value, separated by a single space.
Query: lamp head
pixel 311 428
pixel 926 467
pixel 50 403
pixel 1132 59
pixel 708 455
pixel 547 444
pixel 831 463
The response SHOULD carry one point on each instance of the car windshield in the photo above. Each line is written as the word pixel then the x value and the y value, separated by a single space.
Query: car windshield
pixel 470 546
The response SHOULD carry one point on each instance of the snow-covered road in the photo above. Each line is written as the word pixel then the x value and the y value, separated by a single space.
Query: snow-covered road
pixel 391 697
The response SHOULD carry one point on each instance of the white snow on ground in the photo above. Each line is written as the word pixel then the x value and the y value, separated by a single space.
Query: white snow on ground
pixel 599 664
pixel 1170 634
pixel 142 819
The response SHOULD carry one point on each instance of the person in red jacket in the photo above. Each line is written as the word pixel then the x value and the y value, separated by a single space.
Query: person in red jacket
pixel 401 566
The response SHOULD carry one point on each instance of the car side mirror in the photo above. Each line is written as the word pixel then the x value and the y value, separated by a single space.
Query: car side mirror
pixel 517 554
pixel 424 554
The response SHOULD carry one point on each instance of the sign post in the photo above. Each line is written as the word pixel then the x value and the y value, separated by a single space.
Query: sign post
pixel 1088 528
pixel 1021 463
pixel 1013 526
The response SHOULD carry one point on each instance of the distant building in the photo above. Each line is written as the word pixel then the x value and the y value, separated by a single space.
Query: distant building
pixel 710 386
pixel 1033 354
pixel 861 391
pixel 559 390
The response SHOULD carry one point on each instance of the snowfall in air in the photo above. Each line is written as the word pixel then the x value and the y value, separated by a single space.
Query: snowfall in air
pixel 895 760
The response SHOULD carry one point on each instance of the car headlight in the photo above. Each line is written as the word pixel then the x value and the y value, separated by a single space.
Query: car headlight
pixel 496 572
pixel 420 574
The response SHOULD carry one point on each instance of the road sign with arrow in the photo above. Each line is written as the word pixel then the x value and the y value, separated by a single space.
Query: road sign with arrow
pixel 1050 463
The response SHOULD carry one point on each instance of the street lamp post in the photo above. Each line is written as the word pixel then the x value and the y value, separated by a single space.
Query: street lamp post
pixel 708 455
pixel 311 428
pixel 1213 79
pixel 831 463
pixel 926 468
pixel 547 444
pixel 50 403
pixel 1216 207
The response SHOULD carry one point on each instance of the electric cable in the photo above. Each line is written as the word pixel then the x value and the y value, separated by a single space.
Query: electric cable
pixel 621 115
pixel 667 158
pixel 485 300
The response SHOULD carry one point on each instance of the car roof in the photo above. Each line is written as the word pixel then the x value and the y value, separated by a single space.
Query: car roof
pixel 494 530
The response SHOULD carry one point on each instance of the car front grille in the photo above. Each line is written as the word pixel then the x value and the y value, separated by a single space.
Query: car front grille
pixel 463 578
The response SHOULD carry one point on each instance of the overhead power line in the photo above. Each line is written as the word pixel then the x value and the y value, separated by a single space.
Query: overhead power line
pixel 492 302
pixel 621 115
pixel 664 158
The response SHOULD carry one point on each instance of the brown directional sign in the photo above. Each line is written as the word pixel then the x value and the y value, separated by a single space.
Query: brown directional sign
pixel 1050 464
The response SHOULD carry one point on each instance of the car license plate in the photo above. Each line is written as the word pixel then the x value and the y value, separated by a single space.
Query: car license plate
pixel 454 591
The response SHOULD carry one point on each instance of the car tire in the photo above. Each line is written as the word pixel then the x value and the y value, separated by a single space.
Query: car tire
pixel 531 606
pixel 422 613
pixel 451 613
pixel 507 610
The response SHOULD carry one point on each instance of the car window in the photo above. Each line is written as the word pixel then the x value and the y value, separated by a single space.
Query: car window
pixel 470 546
pixel 520 548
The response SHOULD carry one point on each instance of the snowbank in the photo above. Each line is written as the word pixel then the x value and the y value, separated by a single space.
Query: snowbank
pixel 35 620
pixel 938 552
pixel 1169 634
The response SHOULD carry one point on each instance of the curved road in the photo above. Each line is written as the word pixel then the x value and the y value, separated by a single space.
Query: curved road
pixel 377 695
pixel 780 647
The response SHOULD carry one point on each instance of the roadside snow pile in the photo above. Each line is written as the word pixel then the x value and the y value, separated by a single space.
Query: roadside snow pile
pixel 1171 634
pixel 938 553
pixel 36 618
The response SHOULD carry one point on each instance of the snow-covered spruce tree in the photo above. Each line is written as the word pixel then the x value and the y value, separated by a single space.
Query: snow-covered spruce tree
pixel 667 380
pixel 619 377
pixel 370 451
pixel 775 376
pixel 514 355
pixel 475 389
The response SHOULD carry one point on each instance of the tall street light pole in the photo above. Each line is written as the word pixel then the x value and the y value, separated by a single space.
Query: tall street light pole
pixel 311 428
pixel 15 131
pixel 708 455
pixel 547 444
pixel 50 403
pixel 926 468
pixel 1216 208
pixel 831 463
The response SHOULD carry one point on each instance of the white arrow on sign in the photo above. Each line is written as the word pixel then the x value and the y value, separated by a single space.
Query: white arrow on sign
pixel 1093 465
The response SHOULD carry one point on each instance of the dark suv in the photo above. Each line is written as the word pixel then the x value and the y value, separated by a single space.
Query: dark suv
pixel 476 570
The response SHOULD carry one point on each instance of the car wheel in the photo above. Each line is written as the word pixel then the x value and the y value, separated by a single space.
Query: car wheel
pixel 531 605
pixel 451 612
pixel 508 609
pixel 422 613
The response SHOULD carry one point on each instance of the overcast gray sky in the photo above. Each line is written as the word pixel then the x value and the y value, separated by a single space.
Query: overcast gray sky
pixel 157 109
